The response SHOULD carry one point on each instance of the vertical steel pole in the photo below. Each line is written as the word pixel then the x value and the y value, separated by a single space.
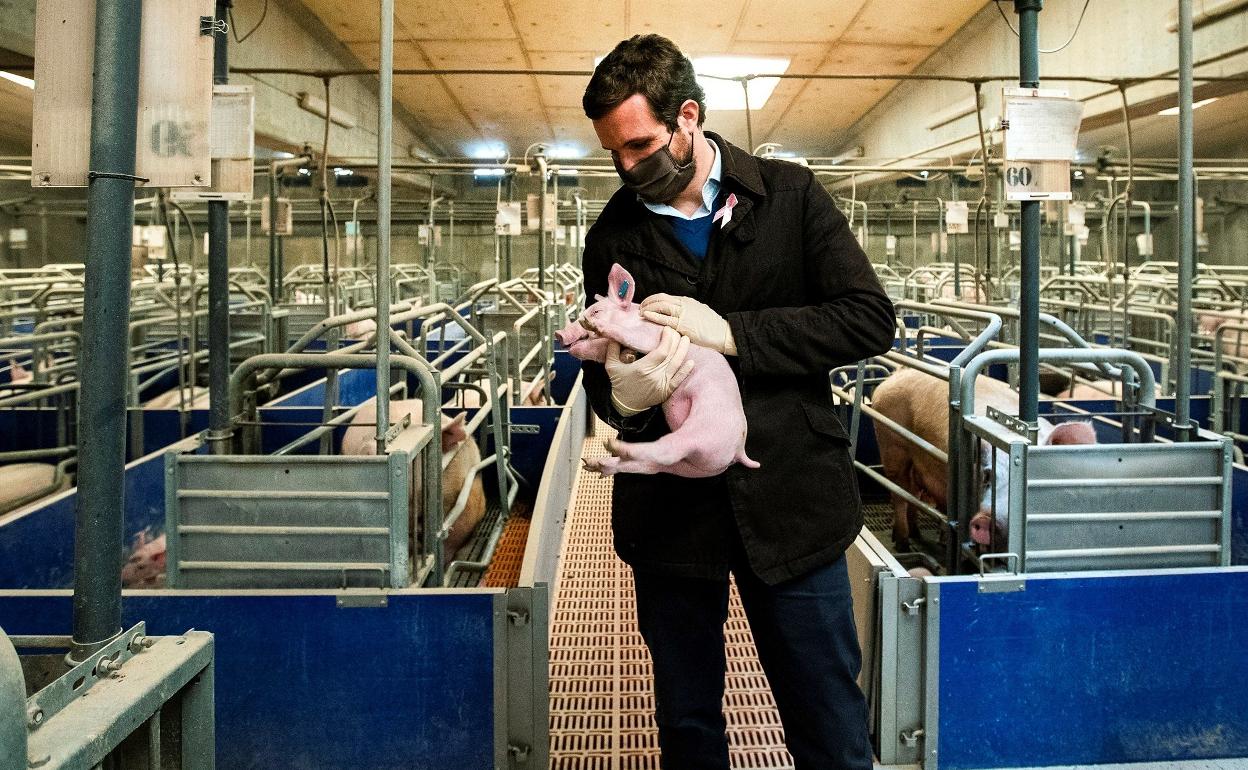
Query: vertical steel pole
pixel 275 275
pixel 385 107
pixel 98 535
pixel 219 278
pixel 1187 225
pixel 541 222
pixel 1029 296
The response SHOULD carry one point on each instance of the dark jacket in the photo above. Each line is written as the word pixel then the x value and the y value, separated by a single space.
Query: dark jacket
pixel 801 298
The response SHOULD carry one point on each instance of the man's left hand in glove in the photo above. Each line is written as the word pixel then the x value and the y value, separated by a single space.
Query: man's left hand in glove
pixel 691 319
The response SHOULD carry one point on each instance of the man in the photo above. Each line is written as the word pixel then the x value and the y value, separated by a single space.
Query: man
pixel 749 257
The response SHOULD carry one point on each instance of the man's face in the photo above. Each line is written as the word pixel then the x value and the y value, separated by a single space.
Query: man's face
pixel 631 132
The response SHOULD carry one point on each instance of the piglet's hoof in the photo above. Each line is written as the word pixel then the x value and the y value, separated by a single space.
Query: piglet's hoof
pixel 607 466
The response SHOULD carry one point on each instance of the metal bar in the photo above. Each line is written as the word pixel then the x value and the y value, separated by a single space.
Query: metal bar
pixel 1029 290
pixel 280 494
pixel 541 218
pixel 385 115
pixel 367 566
pixel 1141 516
pixel 1144 550
pixel 219 277
pixel 1187 229
pixel 102 415
pixel 223 529
pixel 1132 481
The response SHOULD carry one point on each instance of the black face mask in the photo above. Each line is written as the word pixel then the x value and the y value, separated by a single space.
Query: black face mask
pixel 658 177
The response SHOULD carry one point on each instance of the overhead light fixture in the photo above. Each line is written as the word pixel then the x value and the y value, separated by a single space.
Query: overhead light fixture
pixel 728 95
pixel 21 81
pixel 567 172
pixel 564 151
pixel 342 171
pixel 487 150
pixel 956 112
pixel 480 172
pixel 1195 106
pixel 317 106
pixel 850 154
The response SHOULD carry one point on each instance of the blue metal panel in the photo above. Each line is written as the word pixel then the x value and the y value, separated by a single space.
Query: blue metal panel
pixel 529 449
pixel 301 683
pixel 1239 514
pixel 37 548
pixel 354 387
pixel 566 368
pixel 27 428
pixel 1092 670
pixel 161 427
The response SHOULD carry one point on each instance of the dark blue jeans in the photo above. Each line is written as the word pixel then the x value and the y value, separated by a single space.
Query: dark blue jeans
pixel 807 645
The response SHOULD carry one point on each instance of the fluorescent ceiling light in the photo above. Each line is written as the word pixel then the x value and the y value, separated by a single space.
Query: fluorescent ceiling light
pixel 1195 106
pixel 21 81
pixel 488 172
pixel 317 106
pixel 564 151
pixel 728 95
pixel 487 150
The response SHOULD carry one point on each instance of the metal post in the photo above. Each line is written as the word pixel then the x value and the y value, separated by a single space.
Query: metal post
pixel 98 535
pixel 275 275
pixel 385 108
pixel 511 197
pixel 219 279
pixel 1187 225
pixel 1029 290
pixel 541 222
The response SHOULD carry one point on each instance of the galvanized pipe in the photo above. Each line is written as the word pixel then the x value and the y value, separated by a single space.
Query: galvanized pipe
pixel 385 127
pixel 1129 358
pixel 541 221
pixel 218 278
pixel 13 716
pixel 1187 228
pixel 1029 289
pixel 98 535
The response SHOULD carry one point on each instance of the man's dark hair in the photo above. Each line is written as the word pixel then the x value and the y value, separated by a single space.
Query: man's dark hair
pixel 650 65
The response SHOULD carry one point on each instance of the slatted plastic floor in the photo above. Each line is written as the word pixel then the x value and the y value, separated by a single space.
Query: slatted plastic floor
pixel 601 691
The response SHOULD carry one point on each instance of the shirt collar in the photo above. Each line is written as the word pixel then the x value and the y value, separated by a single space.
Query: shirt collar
pixel 710 190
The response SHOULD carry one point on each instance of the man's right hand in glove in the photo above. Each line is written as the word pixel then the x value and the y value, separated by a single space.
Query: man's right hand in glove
pixel 649 380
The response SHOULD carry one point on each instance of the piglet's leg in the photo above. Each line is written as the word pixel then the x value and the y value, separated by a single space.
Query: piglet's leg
pixel 651 456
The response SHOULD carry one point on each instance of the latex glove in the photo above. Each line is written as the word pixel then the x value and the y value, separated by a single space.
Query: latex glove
pixel 649 380
pixel 692 319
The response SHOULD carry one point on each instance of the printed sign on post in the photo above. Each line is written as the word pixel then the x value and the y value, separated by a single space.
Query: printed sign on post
pixel 956 217
pixel 1076 216
pixel 1041 133
pixel 508 219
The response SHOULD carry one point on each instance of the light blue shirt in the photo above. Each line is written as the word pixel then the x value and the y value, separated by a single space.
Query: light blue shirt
pixel 709 192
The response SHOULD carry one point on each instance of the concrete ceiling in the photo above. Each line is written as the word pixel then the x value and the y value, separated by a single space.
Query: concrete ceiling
pixel 454 111
pixel 1218 128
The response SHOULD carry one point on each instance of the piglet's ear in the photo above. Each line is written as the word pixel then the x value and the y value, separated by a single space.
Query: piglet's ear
pixel 620 285
pixel 453 432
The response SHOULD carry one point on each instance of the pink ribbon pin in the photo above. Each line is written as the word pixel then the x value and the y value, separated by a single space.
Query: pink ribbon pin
pixel 726 212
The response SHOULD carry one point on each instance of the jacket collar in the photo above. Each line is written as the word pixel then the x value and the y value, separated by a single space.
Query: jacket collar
pixel 739 166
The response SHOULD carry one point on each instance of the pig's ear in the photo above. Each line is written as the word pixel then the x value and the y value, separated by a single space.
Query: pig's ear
pixel 453 433
pixel 620 285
